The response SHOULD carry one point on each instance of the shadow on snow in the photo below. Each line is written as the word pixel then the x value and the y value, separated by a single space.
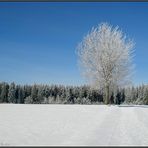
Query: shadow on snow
pixel 141 106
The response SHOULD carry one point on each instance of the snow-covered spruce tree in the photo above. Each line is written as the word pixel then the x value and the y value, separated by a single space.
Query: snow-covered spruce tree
pixel 21 94
pixel 11 93
pixel 40 94
pixel 4 92
pixel 105 56
pixel 34 92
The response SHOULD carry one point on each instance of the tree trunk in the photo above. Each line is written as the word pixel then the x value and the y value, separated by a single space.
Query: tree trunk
pixel 107 100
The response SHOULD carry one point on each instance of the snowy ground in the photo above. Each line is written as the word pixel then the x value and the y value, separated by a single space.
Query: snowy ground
pixel 73 125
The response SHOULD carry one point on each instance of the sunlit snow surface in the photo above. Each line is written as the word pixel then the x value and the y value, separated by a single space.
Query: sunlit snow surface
pixel 73 125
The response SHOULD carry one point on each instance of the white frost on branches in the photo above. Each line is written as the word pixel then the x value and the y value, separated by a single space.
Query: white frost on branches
pixel 106 55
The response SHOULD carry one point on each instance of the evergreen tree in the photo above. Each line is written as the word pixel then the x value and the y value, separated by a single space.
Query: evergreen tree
pixel 40 94
pixel 12 93
pixel 4 92
pixel 21 95
pixel 34 92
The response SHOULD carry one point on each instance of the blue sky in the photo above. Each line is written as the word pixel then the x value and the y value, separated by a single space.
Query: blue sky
pixel 38 40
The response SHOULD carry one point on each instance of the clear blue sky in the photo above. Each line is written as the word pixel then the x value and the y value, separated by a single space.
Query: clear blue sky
pixel 38 39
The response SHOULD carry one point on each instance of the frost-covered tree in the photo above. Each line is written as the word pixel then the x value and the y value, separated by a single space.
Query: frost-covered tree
pixel 28 100
pixel 105 56
pixel 11 93
pixel 34 92
pixel 4 92
pixel 21 94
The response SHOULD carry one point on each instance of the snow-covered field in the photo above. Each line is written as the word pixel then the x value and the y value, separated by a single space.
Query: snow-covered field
pixel 73 125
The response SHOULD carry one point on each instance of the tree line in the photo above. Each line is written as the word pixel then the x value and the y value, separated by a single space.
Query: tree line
pixel 59 94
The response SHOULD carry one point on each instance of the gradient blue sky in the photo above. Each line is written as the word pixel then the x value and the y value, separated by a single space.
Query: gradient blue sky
pixel 38 39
